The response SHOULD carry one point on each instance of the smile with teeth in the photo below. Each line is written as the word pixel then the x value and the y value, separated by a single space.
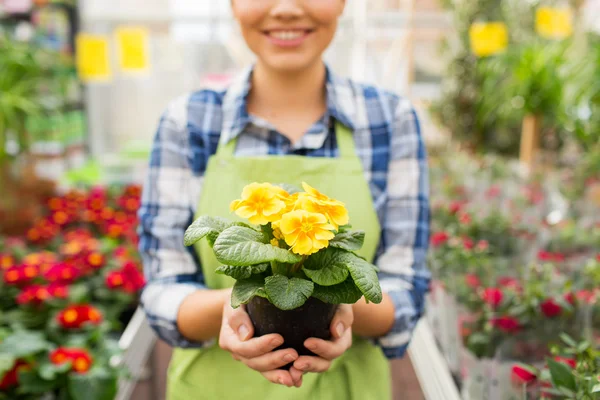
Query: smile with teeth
pixel 287 35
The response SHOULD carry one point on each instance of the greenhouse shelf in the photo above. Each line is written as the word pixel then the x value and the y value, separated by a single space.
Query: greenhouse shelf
pixel 137 342
pixel 430 366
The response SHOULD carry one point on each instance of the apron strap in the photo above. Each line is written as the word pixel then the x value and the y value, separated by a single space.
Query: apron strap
pixel 343 135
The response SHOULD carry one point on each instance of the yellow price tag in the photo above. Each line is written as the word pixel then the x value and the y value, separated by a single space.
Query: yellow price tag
pixel 133 49
pixel 554 23
pixel 488 38
pixel 93 64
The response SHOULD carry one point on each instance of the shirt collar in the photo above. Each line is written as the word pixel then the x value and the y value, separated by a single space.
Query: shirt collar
pixel 341 103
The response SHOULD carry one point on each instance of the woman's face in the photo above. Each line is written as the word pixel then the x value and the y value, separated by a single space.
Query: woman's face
pixel 288 35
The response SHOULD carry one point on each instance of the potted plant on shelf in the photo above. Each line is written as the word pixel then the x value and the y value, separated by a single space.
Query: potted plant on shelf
pixel 293 264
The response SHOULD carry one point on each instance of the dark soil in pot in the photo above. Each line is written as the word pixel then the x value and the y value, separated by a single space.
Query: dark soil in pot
pixel 313 319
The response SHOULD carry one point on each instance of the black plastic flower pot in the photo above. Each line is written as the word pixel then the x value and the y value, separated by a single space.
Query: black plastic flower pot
pixel 313 319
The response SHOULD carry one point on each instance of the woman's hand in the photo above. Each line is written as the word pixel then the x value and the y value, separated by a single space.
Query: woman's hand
pixel 327 351
pixel 257 353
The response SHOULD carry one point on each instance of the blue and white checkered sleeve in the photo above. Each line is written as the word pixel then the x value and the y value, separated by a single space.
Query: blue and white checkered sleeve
pixel 404 275
pixel 168 201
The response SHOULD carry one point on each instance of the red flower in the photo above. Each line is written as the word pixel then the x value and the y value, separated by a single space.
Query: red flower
pixel 58 290
pixel 133 277
pixel 472 281
pixel 20 274
pixel 95 260
pixel 80 358
pixel 548 256
pixel 11 377
pixel 34 294
pixel 73 317
pixel 61 272
pixel 522 375
pixel 60 218
pixel 114 280
pixel 133 190
pixel 598 257
pixel 568 361
pixel 550 308
pixel 570 298
pixel 121 253
pixel 506 324
pixel 509 283
pixel 439 238
pixel 455 207
pixel 492 296
pixel 468 243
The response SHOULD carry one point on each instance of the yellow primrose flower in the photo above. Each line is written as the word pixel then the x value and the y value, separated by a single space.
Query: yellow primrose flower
pixel 261 203
pixel 277 233
pixel 306 232
pixel 316 202
pixel 275 242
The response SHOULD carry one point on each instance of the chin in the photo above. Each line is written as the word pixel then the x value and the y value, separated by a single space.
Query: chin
pixel 290 62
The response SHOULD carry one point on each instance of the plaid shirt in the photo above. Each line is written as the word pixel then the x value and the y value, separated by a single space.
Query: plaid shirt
pixel 388 142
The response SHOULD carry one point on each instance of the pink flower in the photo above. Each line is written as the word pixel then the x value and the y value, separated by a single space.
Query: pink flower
pixel 506 324
pixel 550 308
pixel 508 282
pixel 586 296
pixel 455 207
pixel 483 245
pixel 472 281
pixel 468 243
pixel 493 191
pixel 492 296
pixel 464 218
pixel 548 256
pixel 439 238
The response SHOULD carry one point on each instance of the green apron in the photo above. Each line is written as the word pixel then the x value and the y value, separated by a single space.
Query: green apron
pixel 362 373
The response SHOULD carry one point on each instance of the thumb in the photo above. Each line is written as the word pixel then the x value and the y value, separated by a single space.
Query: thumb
pixel 240 322
pixel 342 320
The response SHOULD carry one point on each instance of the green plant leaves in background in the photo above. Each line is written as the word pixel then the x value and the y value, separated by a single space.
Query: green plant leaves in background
pixel 24 343
pixel 286 293
pixel 242 246
pixel 562 375
pixel 97 384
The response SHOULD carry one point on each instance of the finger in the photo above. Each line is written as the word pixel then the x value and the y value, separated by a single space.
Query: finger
pixel 271 361
pixel 254 347
pixel 280 377
pixel 240 322
pixel 296 376
pixel 312 364
pixel 330 350
pixel 342 320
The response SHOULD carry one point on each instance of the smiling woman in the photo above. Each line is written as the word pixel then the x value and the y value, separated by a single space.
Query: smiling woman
pixel 287 119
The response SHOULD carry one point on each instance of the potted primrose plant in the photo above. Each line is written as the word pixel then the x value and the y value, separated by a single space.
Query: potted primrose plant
pixel 293 264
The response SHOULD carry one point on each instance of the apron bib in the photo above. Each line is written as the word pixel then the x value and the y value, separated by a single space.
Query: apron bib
pixel 362 373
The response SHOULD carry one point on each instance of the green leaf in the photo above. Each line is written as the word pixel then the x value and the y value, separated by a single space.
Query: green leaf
pixel 6 362
pixel 596 388
pixel 49 371
pixel 583 346
pixel 343 293
pixel 350 240
pixel 365 277
pixel 568 340
pixel 242 246
pixel 562 376
pixel 205 226
pixel 32 383
pixel 245 289
pixel 286 293
pixel 242 272
pixel 327 267
pixel 97 384
pixel 24 343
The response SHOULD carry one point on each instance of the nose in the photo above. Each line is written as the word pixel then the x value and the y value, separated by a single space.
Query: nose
pixel 287 9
